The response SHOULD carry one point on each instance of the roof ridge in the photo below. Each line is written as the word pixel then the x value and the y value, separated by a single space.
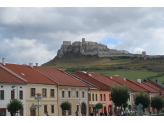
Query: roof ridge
pixel 13 73
pixel 84 80
pixel 46 76
pixel 139 85
pixel 96 79
pixel 70 76
pixel 149 86
pixel 116 81
pixel 136 84
pixel 156 84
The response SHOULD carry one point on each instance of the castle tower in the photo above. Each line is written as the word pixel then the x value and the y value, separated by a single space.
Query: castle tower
pixel 83 41
pixel 143 53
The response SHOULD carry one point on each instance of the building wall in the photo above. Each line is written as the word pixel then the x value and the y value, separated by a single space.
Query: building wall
pixel 31 102
pixel 73 100
pixel 7 87
pixel 107 102
pixel 92 100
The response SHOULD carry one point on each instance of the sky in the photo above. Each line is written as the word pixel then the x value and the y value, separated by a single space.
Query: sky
pixel 34 35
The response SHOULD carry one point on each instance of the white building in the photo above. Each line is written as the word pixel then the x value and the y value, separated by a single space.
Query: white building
pixel 11 86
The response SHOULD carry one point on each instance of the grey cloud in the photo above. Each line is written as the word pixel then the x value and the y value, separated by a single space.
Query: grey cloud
pixel 51 26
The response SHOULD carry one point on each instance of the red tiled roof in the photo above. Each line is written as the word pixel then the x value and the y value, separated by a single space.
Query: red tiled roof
pixel 29 74
pixel 7 77
pixel 146 87
pixel 92 80
pixel 153 86
pixel 126 82
pixel 60 76
pixel 104 79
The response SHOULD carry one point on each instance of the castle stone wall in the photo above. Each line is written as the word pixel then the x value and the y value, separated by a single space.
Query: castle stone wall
pixel 93 48
pixel 66 42
pixel 76 43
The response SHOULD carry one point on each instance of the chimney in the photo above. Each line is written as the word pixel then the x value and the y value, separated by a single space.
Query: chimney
pixel 111 77
pixel 31 65
pixel 36 64
pixel 3 61
pixel 124 79
pixel 139 80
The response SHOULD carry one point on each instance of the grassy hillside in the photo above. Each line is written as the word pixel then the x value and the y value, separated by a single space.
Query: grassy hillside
pixel 75 61
pixel 132 75
pixel 132 67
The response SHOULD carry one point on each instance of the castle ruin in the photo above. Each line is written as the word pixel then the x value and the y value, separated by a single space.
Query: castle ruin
pixel 94 48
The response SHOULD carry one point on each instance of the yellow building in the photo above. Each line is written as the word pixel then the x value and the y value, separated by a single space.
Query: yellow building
pixel 70 89
pixel 77 96
pixel 48 100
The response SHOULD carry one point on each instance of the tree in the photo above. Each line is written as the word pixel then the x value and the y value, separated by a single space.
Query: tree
pixel 65 105
pixel 157 102
pixel 14 106
pixel 143 98
pixel 99 106
pixel 125 105
pixel 119 94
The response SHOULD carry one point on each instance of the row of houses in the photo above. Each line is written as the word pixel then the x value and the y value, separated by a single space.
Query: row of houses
pixel 82 89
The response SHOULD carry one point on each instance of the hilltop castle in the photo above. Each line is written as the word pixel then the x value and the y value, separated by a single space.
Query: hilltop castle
pixel 93 48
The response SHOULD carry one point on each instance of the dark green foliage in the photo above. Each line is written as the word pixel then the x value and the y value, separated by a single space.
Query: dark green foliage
pixel 65 105
pixel 125 105
pixel 99 105
pixel 157 102
pixel 119 94
pixel 14 106
pixel 153 77
pixel 143 98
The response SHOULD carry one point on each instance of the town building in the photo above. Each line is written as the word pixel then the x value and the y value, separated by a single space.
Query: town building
pixel 70 89
pixel 100 95
pixel 11 86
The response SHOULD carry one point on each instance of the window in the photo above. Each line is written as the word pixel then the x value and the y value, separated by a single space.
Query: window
pixel 109 96
pixel 1 94
pixel 96 97
pixel 45 108
pixel 77 94
pixel 52 93
pixel 101 96
pixel 52 108
pixel 77 107
pixel 32 92
pixel 133 97
pixel 104 97
pixel 12 94
pixel 44 92
pixel 21 95
pixel 83 94
pixel 92 97
pixel 69 94
pixel 62 94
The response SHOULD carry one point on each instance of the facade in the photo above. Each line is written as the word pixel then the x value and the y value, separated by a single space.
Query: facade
pixel 48 100
pixel 77 96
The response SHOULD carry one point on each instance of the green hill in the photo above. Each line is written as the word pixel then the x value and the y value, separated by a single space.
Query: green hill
pixel 73 62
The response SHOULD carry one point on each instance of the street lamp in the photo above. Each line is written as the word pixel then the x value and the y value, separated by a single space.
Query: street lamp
pixel 38 98
pixel 91 99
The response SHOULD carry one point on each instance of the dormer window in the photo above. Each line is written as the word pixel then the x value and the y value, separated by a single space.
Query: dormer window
pixel 23 74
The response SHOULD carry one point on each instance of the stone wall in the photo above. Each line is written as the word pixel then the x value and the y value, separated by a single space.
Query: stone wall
pixel 66 42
